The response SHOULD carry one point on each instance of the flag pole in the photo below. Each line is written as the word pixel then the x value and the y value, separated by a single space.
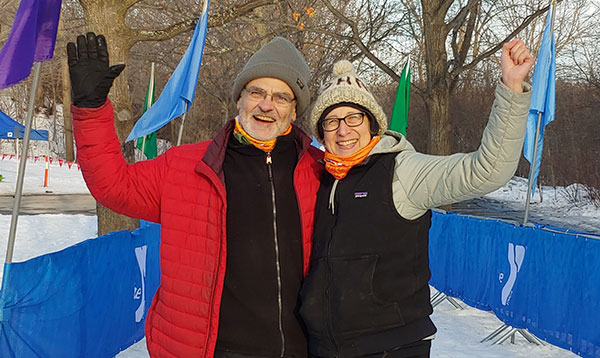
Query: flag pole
pixel 537 131
pixel 17 151
pixel 19 189
pixel 181 127
pixel 532 166
pixel 143 145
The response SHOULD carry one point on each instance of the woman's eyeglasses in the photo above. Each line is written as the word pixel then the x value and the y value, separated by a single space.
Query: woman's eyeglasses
pixel 351 120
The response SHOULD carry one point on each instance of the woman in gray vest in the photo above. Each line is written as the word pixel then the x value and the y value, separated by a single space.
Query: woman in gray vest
pixel 367 292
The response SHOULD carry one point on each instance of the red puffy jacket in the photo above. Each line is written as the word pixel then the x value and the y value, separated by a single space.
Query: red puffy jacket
pixel 183 191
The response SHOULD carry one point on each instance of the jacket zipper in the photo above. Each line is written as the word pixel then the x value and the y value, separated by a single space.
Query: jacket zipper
pixel 269 162
pixel 212 299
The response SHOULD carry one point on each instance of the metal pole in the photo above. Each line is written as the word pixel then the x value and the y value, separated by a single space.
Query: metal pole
pixel 17 151
pixel 181 128
pixel 19 189
pixel 532 166
pixel 143 145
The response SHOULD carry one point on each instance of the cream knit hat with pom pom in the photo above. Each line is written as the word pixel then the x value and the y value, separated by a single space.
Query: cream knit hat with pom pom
pixel 346 87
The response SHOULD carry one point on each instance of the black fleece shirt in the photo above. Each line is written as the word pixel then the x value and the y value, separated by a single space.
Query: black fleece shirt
pixel 259 236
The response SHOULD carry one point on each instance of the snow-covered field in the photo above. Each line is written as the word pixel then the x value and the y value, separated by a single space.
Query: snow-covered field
pixel 459 331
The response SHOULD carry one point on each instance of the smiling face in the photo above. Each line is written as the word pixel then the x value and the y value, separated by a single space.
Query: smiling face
pixel 264 119
pixel 345 140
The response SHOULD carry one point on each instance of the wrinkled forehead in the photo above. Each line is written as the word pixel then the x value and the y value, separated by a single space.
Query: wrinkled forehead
pixel 271 85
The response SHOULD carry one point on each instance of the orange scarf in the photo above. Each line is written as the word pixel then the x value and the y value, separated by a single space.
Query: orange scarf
pixel 264 145
pixel 339 166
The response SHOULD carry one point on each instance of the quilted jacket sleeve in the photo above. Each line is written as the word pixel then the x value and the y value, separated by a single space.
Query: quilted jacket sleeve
pixel 425 181
pixel 130 189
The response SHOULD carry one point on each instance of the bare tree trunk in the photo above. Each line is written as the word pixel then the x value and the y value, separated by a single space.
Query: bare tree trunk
pixel 109 221
pixel 53 111
pixel 438 104
pixel 100 18
pixel 438 90
pixel 67 116
pixel 108 18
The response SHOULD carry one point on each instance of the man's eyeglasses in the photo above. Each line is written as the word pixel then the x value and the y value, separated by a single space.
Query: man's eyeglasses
pixel 351 120
pixel 259 94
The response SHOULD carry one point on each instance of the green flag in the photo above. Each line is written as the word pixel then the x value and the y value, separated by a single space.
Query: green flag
pixel 399 119
pixel 148 146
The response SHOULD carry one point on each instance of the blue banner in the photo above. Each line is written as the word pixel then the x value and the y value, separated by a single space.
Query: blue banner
pixel 545 281
pixel 178 94
pixel 89 300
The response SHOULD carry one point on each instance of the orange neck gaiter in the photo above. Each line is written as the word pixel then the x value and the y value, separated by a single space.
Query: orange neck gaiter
pixel 339 166
pixel 264 145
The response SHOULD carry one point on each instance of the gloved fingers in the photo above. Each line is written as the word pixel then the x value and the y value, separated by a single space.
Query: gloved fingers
pixel 116 70
pixel 92 45
pixel 72 54
pixel 82 48
pixel 102 50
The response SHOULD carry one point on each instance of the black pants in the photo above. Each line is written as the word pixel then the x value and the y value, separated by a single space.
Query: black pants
pixel 420 349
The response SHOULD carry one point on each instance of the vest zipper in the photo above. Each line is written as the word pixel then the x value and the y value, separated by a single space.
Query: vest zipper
pixel 269 162
pixel 329 320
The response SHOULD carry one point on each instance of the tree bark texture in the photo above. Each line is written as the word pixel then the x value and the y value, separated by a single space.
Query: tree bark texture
pixel 67 116
pixel 440 130
pixel 107 17
pixel 438 89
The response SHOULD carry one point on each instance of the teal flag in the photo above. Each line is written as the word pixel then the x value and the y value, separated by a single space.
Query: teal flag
pixel 399 120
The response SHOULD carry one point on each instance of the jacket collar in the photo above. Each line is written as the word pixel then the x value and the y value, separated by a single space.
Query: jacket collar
pixel 215 153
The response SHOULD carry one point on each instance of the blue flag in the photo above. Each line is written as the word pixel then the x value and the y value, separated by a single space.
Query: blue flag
pixel 31 39
pixel 178 94
pixel 543 98
pixel 315 143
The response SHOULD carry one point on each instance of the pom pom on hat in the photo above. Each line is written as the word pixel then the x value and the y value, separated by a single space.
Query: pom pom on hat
pixel 342 67
pixel 345 87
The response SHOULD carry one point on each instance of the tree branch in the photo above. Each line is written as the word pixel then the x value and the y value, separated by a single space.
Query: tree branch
pixel 466 43
pixel 215 20
pixel 218 20
pixel 443 9
pixel 458 70
pixel 358 42
pixel 129 3
pixel 459 19
pixel 163 34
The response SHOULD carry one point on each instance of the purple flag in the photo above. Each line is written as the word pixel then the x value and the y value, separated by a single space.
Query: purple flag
pixel 31 39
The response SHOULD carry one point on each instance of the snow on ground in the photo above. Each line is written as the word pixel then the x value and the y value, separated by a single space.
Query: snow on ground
pixel 61 179
pixel 459 331
pixel 569 202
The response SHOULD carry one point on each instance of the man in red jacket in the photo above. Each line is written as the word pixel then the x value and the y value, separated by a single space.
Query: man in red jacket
pixel 236 213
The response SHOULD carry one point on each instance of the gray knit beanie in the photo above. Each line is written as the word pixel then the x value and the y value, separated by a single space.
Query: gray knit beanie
pixel 278 59
pixel 346 87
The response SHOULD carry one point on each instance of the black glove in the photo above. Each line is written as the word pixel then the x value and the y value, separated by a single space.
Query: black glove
pixel 91 78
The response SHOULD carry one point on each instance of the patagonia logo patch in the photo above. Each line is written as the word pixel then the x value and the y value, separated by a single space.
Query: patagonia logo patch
pixel 360 194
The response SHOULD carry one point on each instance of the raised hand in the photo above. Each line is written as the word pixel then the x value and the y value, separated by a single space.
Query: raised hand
pixel 516 61
pixel 91 77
